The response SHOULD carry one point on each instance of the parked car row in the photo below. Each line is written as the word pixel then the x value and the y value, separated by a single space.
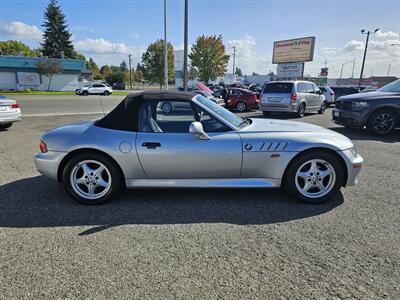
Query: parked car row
pixel 378 111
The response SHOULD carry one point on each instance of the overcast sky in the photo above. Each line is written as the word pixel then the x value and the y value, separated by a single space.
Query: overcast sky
pixel 108 30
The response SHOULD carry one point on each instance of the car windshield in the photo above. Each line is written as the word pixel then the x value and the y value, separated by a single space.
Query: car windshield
pixel 222 112
pixel 393 87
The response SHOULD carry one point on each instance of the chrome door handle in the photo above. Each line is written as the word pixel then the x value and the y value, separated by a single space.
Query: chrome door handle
pixel 151 145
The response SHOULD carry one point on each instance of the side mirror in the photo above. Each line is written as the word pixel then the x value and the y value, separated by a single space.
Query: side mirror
pixel 196 128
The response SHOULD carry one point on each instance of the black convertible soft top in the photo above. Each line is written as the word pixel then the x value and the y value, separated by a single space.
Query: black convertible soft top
pixel 125 115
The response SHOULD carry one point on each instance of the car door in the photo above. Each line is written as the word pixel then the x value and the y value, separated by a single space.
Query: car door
pixel 319 96
pixel 93 89
pixel 311 99
pixel 167 150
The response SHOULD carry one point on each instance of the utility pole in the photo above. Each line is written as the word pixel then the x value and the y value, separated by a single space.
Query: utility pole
pixel 234 58
pixel 185 48
pixel 165 47
pixel 365 53
pixel 388 71
pixel 352 72
pixel 130 71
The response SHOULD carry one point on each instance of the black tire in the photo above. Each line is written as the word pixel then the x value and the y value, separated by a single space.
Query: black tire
pixel 301 111
pixel 382 122
pixel 299 161
pixel 266 113
pixel 166 107
pixel 85 93
pixel 322 108
pixel 115 173
pixel 5 126
pixel 106 93
pixel 241 106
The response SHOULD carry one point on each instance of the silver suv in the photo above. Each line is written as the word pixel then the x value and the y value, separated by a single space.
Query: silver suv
pixel 293 97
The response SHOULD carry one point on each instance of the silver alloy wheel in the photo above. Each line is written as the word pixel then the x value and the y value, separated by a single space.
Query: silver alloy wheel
pixel 90 179
pixel 383 123
pixel 241 106
pixel 315 178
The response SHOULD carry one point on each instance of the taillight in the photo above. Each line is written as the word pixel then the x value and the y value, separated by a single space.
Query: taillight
pixel 43 147
pixel 293 97
pixel 15 106
pixel 332 94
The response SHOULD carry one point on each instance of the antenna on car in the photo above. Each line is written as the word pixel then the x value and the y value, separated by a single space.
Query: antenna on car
pixel 101 104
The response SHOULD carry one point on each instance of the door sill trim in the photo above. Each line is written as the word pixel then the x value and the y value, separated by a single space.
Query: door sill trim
pixel 204 183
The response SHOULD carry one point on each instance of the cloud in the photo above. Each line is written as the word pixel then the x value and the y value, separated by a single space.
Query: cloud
pixel 388 34
pixel 107 52
pixel 247 58
pixel 20 30
pixel 353 46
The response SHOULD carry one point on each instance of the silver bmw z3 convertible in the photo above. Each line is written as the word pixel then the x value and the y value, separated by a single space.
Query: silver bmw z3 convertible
pixel 196 144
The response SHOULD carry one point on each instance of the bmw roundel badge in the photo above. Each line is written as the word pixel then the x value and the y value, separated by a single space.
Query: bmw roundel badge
pixel 248 147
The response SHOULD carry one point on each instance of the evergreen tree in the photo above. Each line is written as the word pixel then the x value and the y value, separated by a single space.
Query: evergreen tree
pixel 57 38
pixel 123 66
pixel 238 72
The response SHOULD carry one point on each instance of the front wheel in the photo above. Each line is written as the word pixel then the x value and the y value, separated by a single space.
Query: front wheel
pixel 382 122
pixel 106 93
pixel 91 178
pixel 315 177
pixel 5 126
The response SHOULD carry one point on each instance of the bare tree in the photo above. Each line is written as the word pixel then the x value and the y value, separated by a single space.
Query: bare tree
pixel 48 67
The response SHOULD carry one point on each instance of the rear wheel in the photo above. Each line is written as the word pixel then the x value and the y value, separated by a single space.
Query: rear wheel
pixel 241 106
pixel 5 126
pixel 91 178
pixel 85 93
pixel 382 122
pixel 166 107
pixel 315 177
pixel 302 110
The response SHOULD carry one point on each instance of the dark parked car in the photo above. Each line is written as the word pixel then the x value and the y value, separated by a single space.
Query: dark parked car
pixel 344 91
pixel 241 100
pixel 379 111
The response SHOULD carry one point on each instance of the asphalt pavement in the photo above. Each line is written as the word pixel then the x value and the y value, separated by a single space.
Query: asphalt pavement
pixel 201 244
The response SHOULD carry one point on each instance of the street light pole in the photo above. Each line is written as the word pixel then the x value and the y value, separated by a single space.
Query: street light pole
pixel 185 48
pixel 234 58
pixel 365 53
pixel 165 47
pixel 345 63
pixel 352 72
pixel 130 71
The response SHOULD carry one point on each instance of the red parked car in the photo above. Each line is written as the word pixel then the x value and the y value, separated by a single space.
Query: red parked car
pixel 241 100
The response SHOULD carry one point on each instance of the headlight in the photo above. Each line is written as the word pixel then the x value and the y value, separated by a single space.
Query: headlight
pixel 359 104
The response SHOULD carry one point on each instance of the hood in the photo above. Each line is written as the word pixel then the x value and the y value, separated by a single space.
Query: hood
pixel 272 125
pixel 369 96
pixel 300 136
